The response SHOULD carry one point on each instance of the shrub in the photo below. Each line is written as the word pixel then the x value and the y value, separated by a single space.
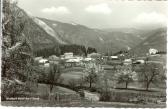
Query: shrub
pixel 12 89
pixel 105 96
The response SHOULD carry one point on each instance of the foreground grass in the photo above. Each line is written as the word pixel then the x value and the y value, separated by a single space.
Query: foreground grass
pixel 82 103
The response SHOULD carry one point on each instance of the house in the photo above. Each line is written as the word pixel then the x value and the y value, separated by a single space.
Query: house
pixel 153 51
pixel 94 55
pixel 62 57
pixel 68 55
pixel 78 57
pixel 114 57
pixel 36 59
pixel 73 62
pixel 127 61
pixel 47 65
pixel 43 61
pixel 139 62
pixel 105 57
pixel 87 59
pixel 121 54
pixel 54 59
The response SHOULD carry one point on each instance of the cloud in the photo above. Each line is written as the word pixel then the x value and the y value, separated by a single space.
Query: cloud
pixel 150 18
pixel 56 10
pixel 99 8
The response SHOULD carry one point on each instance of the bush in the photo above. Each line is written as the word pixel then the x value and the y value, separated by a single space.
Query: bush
pixel 73 84
pixel 134 97
pixel 93 89
pixel 11 89
pixel 105 96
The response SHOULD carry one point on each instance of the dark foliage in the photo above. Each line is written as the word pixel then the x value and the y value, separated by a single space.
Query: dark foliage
pixel 91 50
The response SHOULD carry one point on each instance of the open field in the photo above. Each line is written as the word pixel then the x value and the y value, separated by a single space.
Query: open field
pixel 43 89
pixel 76 69
pixel 71 76
pixel 83 103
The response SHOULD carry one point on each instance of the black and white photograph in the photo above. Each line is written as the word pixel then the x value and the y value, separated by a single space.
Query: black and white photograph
pixel 84 53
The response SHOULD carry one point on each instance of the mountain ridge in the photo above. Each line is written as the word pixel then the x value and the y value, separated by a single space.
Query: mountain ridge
pixel 45 33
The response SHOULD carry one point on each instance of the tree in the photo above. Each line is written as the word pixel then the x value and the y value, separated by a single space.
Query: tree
pixel 103 85
pixel 91 50
pixel 125 75
pixel 53 75
pixel 91 77
pixel 73 83
pixel 17 58
pixel 16 49
pixel 149 73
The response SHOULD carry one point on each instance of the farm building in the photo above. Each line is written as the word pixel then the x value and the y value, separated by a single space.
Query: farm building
pixel 73 62
pixel 94 55
pixel 38 58
pixel 43 61
pixel 153 51
pixel 87 59
pixel 105 57
pixel 114 57
pixel 127 61
pixel 54 59
pixel 68 55
pixel 139 62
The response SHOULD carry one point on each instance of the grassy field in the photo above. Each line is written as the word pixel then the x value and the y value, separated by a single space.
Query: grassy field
pixel 43 89
pixel 71 76
pixel 82 103
pixel 74 73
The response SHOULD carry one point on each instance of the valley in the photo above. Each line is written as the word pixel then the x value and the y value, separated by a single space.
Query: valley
pixel 51 63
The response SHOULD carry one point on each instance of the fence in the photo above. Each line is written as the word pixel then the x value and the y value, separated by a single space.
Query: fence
pixel 62 97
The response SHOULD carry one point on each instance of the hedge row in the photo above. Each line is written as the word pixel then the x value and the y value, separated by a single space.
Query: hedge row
pixel 132 97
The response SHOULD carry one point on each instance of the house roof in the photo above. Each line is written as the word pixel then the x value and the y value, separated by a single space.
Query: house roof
pixel 114 57
pixel 73 60
pixel 43 60
pixel 53 58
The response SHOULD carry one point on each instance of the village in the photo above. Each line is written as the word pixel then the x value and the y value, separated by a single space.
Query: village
pixel 107 68
pixel 71 60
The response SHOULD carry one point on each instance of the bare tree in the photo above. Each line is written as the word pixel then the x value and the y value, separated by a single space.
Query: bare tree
pixel 54 75
pixel 149 74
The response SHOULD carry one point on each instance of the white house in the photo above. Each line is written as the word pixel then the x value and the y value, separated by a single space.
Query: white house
pixel 139 61
pixel 114 57
pixel 68 55
pixel 87 59
pixel 94 55
pixel 38 58
pixel 54 58
pixel 43 61
pixel 73 60
pixel 152 51
pixel 127 61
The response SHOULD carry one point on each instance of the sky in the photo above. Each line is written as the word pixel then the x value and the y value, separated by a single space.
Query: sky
pixel 100 13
